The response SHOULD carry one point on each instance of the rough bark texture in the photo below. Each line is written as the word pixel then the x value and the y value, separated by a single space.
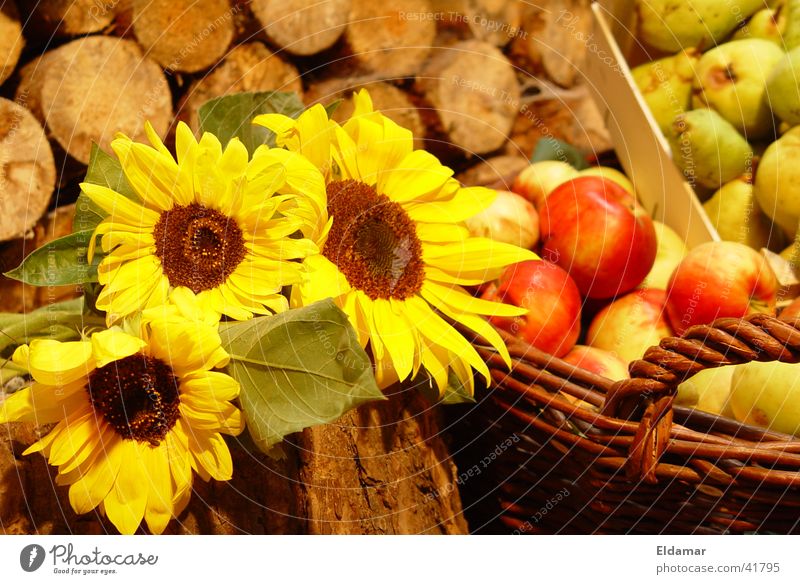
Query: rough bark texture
pixel 27 170
pixel 383 469
pixel 302 27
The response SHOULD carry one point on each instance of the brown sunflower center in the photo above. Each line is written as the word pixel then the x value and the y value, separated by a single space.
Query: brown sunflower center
pixel 137 395
pixel 373 242
pixel 198 247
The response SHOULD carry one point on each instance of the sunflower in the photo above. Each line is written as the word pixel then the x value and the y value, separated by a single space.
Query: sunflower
pixel 135 415
pixel 211 222
pixel 394 251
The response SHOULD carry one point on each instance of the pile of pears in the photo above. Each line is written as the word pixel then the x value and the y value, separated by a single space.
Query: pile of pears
pixel 726 95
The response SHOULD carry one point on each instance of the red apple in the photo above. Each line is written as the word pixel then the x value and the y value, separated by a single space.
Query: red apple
pixel 717 279
pixel 595 230
pixel 597 361
pixel 552 323
pixel 631 324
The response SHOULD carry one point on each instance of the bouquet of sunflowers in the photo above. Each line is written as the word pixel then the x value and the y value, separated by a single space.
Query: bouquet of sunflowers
pixel 271 275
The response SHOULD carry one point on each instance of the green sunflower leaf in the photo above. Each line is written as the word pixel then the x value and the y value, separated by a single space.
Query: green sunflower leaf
pixel 106 171
pixel 60 262
pixel 297 369
pixel 456 391
pixel 231 116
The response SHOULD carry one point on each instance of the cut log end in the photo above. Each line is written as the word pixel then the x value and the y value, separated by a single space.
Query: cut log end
pixel 302 27
pixel 72 17
pixel 248 67
pixel 88 90
pixel 184 35
pixel 11 40
pixel 474 89
pixel 391 37
pixel 27 172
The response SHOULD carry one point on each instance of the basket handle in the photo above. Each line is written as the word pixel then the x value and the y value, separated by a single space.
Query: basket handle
pixel 649 394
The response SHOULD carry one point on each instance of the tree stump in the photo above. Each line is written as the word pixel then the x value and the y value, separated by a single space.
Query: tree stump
pixel 381 469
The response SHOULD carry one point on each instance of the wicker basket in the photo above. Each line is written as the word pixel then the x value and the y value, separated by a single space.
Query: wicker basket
pixel 641 464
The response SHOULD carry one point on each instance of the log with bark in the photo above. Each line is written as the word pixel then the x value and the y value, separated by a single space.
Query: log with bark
pixel 69 17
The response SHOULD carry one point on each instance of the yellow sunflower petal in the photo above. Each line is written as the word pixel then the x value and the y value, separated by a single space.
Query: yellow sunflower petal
pixel 88 491
pixel 396 335
pixel 212 455
pixel 77 431
pixel 213 385
pixel 475 253
pixel 415 176
pixel 438 332
pixel 464 204
pixel 113 344
pixel 460 301
pixel 158 511
pixel 56 363
pixel 126 500
pixel 119 207
pixel 152 175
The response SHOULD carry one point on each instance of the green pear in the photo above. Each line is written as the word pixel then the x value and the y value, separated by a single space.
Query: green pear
pixel 792 255
pixel 767 395
pixel 666 85
pixel 768 24
pixel 783 88
pixel 708 390
pixel 672 25
pixel 731 79
pixel 777 180
pixel 708 149
pixel 669 253
pixel 791 33
pixel 737 217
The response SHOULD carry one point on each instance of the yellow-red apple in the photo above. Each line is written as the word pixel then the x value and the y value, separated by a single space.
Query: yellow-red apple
pixel 552 323
pixel 631 324
pixel 597 361
pixel 594 229
pixel 717 279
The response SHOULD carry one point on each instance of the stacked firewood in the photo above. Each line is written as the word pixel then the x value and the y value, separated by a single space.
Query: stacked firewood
pixel 473 79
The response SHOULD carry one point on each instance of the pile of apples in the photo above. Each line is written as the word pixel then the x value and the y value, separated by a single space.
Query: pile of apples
pixel 612 282
pixel 727 98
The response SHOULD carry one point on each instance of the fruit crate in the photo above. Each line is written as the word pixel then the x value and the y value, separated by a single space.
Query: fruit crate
pixel 583 454
pixel 644 153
